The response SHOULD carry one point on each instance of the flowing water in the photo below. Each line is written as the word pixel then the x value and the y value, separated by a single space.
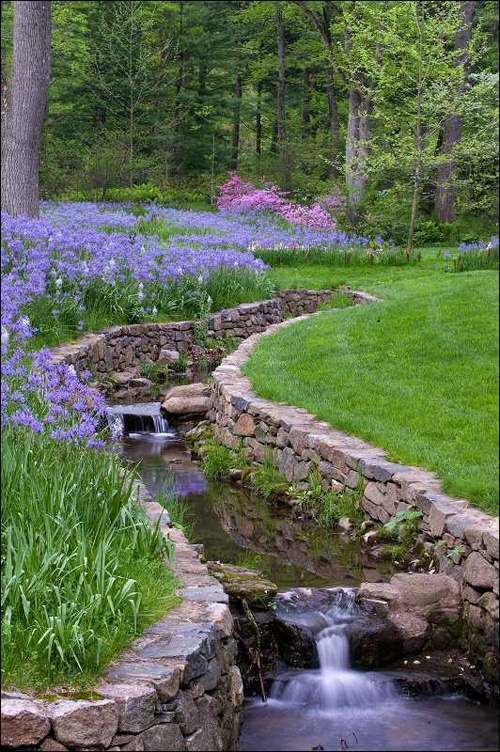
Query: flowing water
pixel 330 708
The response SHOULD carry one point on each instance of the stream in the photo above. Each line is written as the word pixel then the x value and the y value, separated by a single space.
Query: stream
pixel 332 707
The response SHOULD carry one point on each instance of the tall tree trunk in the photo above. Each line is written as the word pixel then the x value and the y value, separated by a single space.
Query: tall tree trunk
pixel 273 146
pixel 356 150
pixel 283 148
pixel 444 199
pixel 26 107
pixel 176 155
pixel 235 139
pixel 417 175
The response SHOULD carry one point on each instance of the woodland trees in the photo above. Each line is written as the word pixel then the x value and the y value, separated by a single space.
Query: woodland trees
pixel 389 106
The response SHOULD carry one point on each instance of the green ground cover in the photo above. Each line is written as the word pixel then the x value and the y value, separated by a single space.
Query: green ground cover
pixel 83 572
pixel 415 374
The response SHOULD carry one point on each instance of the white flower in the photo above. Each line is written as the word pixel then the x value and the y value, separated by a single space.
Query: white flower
pixel 59 283
pixel 154 310
pixel 5 336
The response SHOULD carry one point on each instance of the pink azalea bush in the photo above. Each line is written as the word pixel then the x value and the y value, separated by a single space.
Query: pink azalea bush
pixel 237 196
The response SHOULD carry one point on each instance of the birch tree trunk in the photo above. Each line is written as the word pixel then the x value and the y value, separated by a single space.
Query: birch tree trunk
pixel 444 199
pixel 25 108
pixel 356 150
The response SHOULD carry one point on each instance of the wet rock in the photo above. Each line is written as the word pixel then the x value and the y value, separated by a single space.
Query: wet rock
pixel 244 584
pixel 188 399
pixel 23 722
pixel 429 596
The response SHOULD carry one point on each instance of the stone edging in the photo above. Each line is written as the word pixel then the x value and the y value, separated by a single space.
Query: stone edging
pixel 120 348
pixel 176 687
pixel 468 538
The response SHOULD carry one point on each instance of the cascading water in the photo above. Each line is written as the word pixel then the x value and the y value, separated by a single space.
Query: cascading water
pixel 335 685
pixel 144 418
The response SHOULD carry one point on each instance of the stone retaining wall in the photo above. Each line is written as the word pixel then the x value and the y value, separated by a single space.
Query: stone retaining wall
pixel 464 539
pixel 120 348
pixel 176 688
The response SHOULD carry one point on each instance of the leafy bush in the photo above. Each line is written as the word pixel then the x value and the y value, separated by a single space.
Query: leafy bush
pixel 83 571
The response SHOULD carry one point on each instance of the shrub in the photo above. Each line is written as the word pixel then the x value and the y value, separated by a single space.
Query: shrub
pixel 479 255
pixel 237 196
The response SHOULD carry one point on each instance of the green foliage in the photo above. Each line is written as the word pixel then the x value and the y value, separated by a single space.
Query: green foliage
pixel 327 507
pixel 353 256
pixel 83 572
pixel 473 260
pixel 178 512
pixel 217 461
pixel 267 480
pixel 403 527
pixel 155 371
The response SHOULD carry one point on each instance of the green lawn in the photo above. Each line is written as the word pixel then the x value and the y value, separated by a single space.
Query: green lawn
pixel 415 374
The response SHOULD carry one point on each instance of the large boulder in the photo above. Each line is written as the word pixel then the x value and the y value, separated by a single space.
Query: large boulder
pixel 188 399
pixel 434 597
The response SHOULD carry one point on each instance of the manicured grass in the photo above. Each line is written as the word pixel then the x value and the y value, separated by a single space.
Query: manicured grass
pixel 83 572
pixel 416 374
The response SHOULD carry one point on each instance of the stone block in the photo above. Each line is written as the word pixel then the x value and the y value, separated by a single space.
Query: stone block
pixel 165 679
pixel 478 572
pixel 164 736
pixel 23 722
pixel 136 705
pixel 84 723
pixel 245 425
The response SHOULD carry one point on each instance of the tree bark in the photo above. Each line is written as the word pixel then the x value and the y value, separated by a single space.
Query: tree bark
pixel 444 199
pixel 26 108
pixel 283 148
pixel 356 150
pixel 235 140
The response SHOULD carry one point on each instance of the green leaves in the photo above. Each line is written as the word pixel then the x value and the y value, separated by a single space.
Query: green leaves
pixel 83 571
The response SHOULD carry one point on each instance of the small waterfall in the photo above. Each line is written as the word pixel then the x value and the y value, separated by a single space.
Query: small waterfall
pixel 160 424
pixel 335 685
pixel 146 418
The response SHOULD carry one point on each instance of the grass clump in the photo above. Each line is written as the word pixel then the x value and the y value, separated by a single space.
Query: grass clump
pixel 83 571
pixel 327 507
pixel 267 480
pixel 178 512
pixel 217 461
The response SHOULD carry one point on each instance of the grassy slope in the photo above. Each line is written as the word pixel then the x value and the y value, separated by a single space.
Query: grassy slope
pixel 415 374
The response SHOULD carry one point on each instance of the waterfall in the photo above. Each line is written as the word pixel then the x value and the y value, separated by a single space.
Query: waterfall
pixel 335 685
pixel 145 418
